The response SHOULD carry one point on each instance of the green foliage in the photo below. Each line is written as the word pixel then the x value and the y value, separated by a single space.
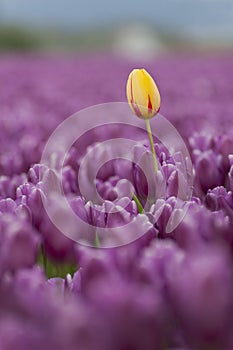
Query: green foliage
pixel 53 268
pixel 13 38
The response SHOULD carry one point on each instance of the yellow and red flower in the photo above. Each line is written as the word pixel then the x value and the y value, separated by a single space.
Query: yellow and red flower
pixel 142 94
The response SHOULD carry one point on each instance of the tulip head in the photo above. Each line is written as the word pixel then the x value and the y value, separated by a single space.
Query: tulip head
pixel 142 94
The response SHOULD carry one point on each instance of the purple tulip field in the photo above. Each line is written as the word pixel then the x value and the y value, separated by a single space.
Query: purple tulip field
pixel 143 287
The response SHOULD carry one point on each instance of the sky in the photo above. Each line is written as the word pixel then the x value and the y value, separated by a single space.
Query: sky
pixel 197 17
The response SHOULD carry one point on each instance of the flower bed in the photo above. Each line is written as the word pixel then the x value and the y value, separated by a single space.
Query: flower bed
pixel 163 291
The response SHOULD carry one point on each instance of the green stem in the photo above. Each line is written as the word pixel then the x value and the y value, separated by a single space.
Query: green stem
pixel 44 258
pixel 151 144
pixel 138 203
pixel 97 241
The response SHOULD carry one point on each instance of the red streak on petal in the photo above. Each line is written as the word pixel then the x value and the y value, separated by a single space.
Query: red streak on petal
pixel 136 109
pixel 133 104
pixel 149 104
pixel 131 87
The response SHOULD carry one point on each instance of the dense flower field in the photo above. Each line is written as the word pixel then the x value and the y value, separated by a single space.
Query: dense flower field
pixel 163 291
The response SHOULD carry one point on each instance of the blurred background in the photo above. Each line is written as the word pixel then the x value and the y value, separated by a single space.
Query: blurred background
pixel 126 27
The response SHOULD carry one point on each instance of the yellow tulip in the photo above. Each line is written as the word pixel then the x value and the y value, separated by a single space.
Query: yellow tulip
pixel 142 94
pixel 144 100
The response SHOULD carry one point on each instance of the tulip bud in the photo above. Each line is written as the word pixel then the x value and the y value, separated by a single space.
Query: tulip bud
pixel 142 94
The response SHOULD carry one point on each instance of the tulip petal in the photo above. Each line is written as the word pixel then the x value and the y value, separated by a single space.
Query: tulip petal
pixel 142 93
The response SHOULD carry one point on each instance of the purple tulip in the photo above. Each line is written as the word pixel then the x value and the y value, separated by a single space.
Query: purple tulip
pixel 161 291
pixel 200 287
pixel 18 244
